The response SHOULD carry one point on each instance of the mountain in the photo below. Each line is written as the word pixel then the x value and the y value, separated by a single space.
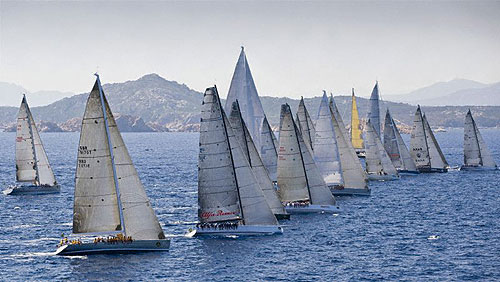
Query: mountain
pixel 485 96
pixel 438 93
pixel 152 103
pixel 12 95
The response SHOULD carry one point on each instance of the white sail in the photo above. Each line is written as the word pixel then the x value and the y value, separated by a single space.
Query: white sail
pixel 374 112
pixel 243 89
pixel 248 148
pixel 352 172
pixel 269 150
pixel 395 146
pixel 435 153
pixel 471 136
pixel 326 155
pixel 32 164
pixel 419 149
pixel 305 124
pixel 291 174
pixel 377 160
pixel 106 179
pixel 315 188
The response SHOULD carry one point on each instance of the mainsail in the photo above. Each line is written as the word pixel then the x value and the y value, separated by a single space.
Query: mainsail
pixel 476 153
pixel 326 154
pixel 109 195
pixel 32 164
pixel 269 150
pixel 374 112
pixel 395 146
pixel 298 177
pixel 250 151
pixel 352 172
pixel 305 123
pixel 243 89
pixel 377 160
pixel 227 186
pixel 356 133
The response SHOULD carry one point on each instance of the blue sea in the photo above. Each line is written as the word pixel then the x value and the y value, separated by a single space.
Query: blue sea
pixel 430 227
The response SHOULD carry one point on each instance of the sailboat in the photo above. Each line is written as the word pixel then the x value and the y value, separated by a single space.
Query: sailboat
pixel 374 111
pixel 243 89
pixel 396 148
pixel 32 164
pixel 356 133
pixel 424 148
pixel 378 164
pixel 111 212
pixel 353 176
pixel 230 199
pixel 305 124
pixel 326 154
pixel 269 150
pixel 301 186
pixel 477 156
pixel 252 155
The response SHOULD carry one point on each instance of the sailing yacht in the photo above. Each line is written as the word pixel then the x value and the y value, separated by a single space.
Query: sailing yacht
pixel 111 211
pixel 269 150
pixel 252 155
pixel 424 148
pixel 356 132
pixel 353 175
pixel 378 164
pixel 305 124
pixel 396 148
pixel 477 156
pixel 32 164
pixel 230 199
pixel 326 153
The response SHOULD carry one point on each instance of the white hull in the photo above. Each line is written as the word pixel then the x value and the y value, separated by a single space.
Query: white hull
pixel 313 209
pixel 377 177
pixel 351 191
pixel 114 248
pixel 477 168
pixel 241 230
pixel 32 190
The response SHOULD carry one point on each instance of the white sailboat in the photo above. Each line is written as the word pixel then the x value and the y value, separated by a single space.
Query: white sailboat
pixel 269 150
pixel 111 212
pixel 306 126
pixel 356 131
pixel 301 186
pixel 243 89
pixel 477 156
pixel 374 112
pixel 326 154
pixel 378 164
pixel 230 200
pixel 353 175
pixel 424 148
pixel 396 148
pixel 252 155
pixel 32 164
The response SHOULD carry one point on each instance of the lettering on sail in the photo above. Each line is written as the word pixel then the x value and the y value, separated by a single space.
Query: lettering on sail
pixel 82 150
pixel 210 214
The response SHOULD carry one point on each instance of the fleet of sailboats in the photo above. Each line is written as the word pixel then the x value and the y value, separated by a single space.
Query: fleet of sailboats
pixel 477 156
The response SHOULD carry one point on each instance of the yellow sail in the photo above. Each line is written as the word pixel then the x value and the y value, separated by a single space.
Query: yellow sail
pixel 356 138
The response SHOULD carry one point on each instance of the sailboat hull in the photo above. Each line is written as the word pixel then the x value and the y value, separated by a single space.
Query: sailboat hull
pixel 351 192
pixel 377 177
pixel 114 248
pixel 241 230
pixel 32 190
pixel 282 216
pixel 408 172
pixel 432 170
pixel 313 209
pixel 477 168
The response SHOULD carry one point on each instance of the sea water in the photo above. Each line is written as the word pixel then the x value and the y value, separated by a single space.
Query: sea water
pixel 425 227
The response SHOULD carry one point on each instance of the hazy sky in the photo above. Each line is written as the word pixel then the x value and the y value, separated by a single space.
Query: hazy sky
pixel 294 48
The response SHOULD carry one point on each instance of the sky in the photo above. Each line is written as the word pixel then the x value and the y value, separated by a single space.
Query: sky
pixel 294 48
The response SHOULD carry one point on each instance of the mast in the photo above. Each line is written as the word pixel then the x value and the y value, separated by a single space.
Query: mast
pixel 475 137
pixel 30 118
pixel 425 136
pixel 110 145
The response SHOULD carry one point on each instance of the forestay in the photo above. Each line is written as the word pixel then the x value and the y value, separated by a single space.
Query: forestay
pixel 268 150
pixel 305 124
pixel 32 164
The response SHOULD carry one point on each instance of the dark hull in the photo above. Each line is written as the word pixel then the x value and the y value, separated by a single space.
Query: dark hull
pixel 138 246
pixel 282 216
pixel 432 170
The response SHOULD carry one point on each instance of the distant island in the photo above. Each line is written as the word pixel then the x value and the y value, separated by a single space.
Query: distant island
pixel 154 104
